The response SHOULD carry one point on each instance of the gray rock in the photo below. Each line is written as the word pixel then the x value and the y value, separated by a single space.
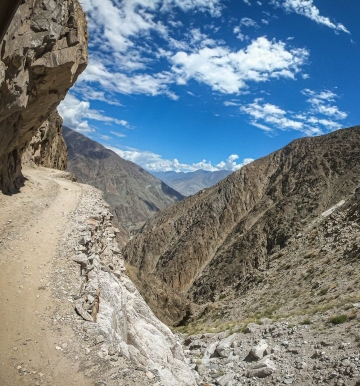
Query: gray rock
pixel 225 379
pixel 257 352
pixel 262 369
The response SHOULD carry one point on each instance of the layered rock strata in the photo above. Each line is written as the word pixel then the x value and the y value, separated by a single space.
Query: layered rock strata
pixel 42 54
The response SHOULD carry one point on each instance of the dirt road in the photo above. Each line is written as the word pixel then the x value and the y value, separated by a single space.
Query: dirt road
pixel 31 226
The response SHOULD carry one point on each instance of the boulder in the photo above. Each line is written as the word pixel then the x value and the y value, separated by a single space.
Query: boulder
pixel 257 352
pixel 262 369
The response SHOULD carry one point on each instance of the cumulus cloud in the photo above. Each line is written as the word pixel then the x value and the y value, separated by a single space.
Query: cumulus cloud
pixel 319 102
pixel 247 22
pixel 244 22
pixel 76 114
pixel 119 82
pixel 271 114
pixel 307 8
pixel 229 72
pixel 321 117
pixel 155 162
pixel 124 51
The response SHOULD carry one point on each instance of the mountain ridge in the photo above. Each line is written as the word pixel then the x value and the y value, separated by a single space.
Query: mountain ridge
pixel 222 236
pixel 133 194
pixel 191 182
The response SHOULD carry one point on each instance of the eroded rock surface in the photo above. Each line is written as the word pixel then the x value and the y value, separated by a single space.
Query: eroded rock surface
pixel 124 331
pixel 47 147
pixel 220 242
pixel 42 54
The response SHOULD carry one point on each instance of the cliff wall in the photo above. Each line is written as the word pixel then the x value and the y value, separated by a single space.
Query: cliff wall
pixel 47 147
pixel 42 54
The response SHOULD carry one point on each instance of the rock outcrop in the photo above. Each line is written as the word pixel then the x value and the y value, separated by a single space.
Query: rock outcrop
pixel 47 147
pixel 220 241
pixel 42 54
pixel 111 309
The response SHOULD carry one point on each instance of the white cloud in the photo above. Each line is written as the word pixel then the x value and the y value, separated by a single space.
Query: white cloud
pixel 319 104
pixel 154 162
pixel 321 117
pixel 211 6
pixel 76 114
pixel 120 135
pixel 119 82
pixel 121 64
pixel 229 72
pixel 90 93
pixel 230 103
pixel 247 22
pixel 239 34
pixel 307 8
pixel 105 137
pixel 271 114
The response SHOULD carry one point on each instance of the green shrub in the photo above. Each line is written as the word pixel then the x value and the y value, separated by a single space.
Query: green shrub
pixel 324 291
pixel 338 319
pixel 306 321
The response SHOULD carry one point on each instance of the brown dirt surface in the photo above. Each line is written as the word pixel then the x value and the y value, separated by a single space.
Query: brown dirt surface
pixel 31 225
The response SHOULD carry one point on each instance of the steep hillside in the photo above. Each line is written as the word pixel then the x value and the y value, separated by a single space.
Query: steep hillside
pixel 192 182
pixel 133 194
pixel 41 56
pixel 219 240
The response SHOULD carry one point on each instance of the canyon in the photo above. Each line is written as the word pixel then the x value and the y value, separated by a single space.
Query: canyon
pixel 252 281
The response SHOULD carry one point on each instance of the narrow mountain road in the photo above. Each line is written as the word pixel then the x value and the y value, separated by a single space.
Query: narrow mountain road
pixel 32 224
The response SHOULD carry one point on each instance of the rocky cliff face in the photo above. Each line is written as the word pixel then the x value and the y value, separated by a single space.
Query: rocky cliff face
pixel 42 54
pixel 219 240
pixel 47 147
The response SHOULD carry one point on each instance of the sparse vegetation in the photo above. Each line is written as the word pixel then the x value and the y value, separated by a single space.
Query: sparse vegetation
pixel 324 291
pixel 338 319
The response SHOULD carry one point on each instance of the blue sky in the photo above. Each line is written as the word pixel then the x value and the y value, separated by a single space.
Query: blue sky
pixel 212 84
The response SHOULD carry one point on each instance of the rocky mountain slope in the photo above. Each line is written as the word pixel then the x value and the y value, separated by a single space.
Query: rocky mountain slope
pixel 134 195
pixel 192 182
pixel 298 321
pixel 220 242
pixel 42 54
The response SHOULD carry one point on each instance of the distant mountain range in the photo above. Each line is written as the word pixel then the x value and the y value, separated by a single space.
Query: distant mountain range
pixel 192 182
pixel 133 194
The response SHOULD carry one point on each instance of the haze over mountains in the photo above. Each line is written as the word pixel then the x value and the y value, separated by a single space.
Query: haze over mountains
pixel 218 241
pixel 133 194
pixel 191 182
